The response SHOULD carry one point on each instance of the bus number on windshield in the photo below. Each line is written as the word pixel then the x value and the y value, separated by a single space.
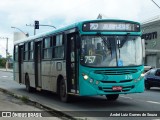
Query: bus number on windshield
pixel 90 59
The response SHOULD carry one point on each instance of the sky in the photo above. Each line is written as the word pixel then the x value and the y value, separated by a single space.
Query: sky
pixel 59 13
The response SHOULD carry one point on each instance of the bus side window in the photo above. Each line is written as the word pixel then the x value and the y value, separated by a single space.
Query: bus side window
pixel 25 52
pixel 47 48
pixel 31 50
pixel 58 48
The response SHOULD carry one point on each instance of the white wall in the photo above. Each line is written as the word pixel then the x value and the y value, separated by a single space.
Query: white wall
pixel 18 36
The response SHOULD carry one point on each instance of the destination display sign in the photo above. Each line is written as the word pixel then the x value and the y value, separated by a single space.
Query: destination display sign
pixel 111 26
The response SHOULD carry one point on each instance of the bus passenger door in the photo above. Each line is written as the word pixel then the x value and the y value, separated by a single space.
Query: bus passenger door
pixel 71 64
pixel 38 81
pixel 20 56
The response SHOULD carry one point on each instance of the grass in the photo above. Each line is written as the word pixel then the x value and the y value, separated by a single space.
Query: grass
pixel 25 99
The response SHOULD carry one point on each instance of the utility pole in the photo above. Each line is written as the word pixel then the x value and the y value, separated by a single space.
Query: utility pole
pixel 36 26
pixel 6 51
pixel 7 54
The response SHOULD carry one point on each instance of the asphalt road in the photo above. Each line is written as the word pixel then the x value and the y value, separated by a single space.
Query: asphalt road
pixel 147 101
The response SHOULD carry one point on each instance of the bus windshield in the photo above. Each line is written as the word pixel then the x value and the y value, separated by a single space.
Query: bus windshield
pixel 111 51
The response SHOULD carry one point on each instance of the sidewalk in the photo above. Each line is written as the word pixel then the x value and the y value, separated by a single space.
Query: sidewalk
pixel 8 70
pixel 15 105
pixel 18 109
pixel 11 87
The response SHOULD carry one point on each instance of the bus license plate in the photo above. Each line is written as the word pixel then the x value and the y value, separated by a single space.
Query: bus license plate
pixel 116 88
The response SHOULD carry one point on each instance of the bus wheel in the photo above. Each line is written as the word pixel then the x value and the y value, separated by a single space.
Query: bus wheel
pixel 112 97
pixel 27 83
pixel 63 91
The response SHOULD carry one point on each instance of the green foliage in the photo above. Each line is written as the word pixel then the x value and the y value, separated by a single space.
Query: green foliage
pixel 25 99
pixel 9 56
pixel 2 62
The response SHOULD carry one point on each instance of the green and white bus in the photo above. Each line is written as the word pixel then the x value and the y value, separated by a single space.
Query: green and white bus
pixel 94 57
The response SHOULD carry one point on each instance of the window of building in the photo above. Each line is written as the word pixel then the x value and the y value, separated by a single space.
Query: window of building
pixel 58 47
pixel 47 49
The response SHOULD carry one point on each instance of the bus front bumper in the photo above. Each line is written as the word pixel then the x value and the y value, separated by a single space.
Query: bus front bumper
pixel 92 88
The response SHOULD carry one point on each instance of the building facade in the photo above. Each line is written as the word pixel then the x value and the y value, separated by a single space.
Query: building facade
pixel 151 34
pixel 18 36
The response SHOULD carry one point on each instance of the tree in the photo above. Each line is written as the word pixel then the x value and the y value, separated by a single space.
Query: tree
pixel 3 62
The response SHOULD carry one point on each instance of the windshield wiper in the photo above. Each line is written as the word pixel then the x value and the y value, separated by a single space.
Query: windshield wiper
pixel 106 42
pixel 124 40
pixel 110 43
pixel 119 46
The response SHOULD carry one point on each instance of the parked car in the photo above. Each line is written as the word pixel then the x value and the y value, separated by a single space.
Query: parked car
pixel 152 78
pixel 147 68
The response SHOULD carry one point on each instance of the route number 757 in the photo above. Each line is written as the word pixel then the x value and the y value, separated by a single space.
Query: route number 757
pixel 90 59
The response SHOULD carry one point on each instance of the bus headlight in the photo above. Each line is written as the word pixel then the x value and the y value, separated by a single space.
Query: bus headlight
pixel 140 77
pixel 85 77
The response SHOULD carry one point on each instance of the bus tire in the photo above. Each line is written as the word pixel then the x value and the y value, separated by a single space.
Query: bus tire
pixel 64 97
pixel 27 83
pixel 112 97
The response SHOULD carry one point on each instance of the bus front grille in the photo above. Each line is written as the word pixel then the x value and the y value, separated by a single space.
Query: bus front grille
pixel 116 71
pixel 121 81
pixel 109 89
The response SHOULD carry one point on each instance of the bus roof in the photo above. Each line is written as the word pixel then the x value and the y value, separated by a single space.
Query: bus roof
pixel 59 30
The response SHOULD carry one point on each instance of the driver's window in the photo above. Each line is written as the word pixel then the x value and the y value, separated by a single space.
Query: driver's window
pixel 157 73
pixel 152 72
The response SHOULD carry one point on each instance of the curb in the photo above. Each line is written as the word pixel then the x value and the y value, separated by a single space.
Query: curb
pixel 52 111
pixel 3 70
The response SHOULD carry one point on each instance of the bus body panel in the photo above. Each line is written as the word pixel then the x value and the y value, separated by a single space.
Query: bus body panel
pixel 45 75
pixel 130 83
pixel 28 68
pixel 51 70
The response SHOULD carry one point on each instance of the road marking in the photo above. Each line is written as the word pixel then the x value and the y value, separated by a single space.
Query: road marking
pixel 145 101
pixel 126 97
pixel 4 76
pixel 153 102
